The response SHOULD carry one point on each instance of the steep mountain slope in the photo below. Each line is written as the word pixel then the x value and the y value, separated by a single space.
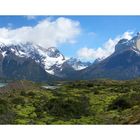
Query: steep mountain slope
pixel 124 63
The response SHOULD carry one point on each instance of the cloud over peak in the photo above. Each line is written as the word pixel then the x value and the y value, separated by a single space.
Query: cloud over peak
pixel 106 50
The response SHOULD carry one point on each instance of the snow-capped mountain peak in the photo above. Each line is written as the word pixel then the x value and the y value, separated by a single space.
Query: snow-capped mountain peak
pixel 46 57
pixel 132 44
pixel 54 52
pixel 77 64
pixel 49 58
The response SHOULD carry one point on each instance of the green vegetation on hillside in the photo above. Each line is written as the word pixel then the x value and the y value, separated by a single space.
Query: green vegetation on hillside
pixel 77 102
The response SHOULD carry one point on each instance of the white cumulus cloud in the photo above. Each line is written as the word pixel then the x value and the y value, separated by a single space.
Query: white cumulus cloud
pixel 106 50
pixel 46 33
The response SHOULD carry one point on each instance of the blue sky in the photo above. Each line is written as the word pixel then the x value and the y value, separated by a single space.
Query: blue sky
pixel 93 33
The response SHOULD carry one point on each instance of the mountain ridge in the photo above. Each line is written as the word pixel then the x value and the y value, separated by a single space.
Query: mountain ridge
pixel 49 61
pixel 34 62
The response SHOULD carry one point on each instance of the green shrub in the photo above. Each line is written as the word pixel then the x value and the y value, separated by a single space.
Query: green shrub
pixel 18 100
pixel 70 107
pixel 23 93
pixel 119 103
pixel 7 115
pixel 3 106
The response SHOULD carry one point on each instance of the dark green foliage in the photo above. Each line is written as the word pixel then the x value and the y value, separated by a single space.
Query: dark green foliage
pixel 69 107
pixel 6 115
pixel 89 85
pixel 18 100
pixel 120 103
pixel 96 91
pixel 23 93
pixel 3 106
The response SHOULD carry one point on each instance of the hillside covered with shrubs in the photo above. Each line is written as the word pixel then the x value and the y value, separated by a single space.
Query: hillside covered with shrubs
pixel 76 102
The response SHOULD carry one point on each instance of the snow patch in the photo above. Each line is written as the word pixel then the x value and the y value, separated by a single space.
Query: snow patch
pixel 50 72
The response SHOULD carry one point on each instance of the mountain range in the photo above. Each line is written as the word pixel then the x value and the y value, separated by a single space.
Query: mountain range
pixel 34 62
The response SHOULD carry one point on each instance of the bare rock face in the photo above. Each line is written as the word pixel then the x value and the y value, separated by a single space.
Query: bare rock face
pixel 122 45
